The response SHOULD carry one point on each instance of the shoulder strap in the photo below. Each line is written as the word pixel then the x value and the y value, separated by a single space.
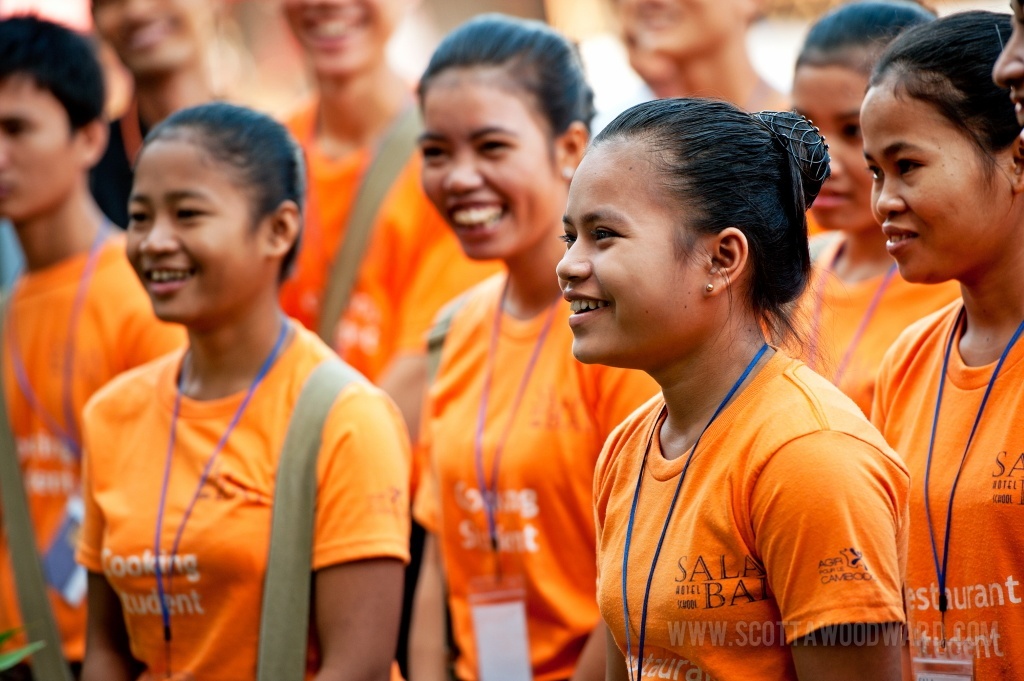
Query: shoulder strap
pixel 387 164
pixel 48 663
pixel 287 588
pixel 438 333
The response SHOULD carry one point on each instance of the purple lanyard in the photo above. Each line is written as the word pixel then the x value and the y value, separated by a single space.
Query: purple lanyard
pixel 490 494
pixel 876 299
pixel 941 569
pixel 68 434
pixel 161 593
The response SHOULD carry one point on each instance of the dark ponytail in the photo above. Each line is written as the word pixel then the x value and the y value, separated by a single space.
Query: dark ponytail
pixel 727 168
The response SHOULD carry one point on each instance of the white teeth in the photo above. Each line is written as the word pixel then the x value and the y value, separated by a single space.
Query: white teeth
pixel 169 275
pixel 331 29
pixel 586 305
pixel 896 238
pixel 477 216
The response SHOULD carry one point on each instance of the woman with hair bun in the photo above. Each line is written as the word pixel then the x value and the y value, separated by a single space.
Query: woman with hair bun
pixel 944 145
pixel 856 303
pixel 751 523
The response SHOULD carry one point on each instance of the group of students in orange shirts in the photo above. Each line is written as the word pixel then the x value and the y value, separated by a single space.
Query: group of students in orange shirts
pixel 664 436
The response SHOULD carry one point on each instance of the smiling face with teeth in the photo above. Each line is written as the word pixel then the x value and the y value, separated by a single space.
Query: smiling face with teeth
pixel 491 167
pixel 344 37
pixel 192 238
pixel 156 37
pixel 948 210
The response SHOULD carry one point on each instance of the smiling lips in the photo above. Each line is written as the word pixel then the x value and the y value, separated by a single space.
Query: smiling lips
pixel 579 305
pixel 477 216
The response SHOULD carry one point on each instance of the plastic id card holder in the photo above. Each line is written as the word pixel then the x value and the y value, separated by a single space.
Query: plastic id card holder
pixel 932 661
pixel 498 608
pixel 59 566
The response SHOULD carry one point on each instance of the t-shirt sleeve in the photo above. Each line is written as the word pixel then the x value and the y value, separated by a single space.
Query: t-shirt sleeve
pixel 829 515
pixel 364 470
pixel 90 538
pixel 620 393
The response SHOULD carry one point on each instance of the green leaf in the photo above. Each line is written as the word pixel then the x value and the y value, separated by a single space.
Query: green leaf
pixel 8 660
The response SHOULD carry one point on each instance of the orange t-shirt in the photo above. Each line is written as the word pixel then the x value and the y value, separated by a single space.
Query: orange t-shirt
pixel 413 264
pixel 115 331
pixel 792 517
pixel 215 591
pixel 545 508
pixel 836 345
pixel 986 556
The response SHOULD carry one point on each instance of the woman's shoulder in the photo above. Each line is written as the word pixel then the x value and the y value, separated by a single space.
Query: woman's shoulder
pixel 128 393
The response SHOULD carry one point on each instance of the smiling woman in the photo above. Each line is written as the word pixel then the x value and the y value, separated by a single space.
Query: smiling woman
pixel 216 213
pixel 506 111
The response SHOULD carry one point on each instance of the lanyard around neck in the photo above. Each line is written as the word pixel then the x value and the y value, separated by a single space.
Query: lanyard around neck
pixel 941 568
pixel 67 433
pixel 664 530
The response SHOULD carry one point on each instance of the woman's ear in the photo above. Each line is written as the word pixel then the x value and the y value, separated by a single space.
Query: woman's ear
pixel 729 254
pixel 570 147
pixel 282 229
pixel 1017 176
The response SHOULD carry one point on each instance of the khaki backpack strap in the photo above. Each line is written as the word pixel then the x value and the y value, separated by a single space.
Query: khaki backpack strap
pixel 820 243
pixel 387 164
pixel 437 335
pixel 48 663
pixel 287 588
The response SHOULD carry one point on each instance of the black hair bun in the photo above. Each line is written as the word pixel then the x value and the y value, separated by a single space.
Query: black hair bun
pixel 804 143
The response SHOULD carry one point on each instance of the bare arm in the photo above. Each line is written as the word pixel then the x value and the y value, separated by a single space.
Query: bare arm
pixel 358 606
pixel 878 659
pixel 108 655
pixel 405 380
pixel 615 662
pixel 591 664
pixel 428 645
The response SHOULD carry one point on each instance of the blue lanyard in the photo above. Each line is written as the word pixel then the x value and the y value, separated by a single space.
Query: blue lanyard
pixel 490 494
pixel 260 375
pixel 940 570
pixel 68 433
pixel 668 518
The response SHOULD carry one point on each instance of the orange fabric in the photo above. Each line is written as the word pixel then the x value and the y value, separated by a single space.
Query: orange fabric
pixel 216 589
pixel 983 583
pixel 413 264
pixel 545 516
pixel 793 511
pixel 832 312
pixel 116 331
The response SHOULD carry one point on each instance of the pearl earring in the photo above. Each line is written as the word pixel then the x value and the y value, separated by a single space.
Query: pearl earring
pixel 567 173
pixel 709 288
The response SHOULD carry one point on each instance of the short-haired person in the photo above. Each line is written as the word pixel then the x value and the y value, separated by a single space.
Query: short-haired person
pixel 165 45
pixel 856 303
pixel 948 161
pixel 752 499
pixel 412 264
pixel 513 424
pixel 77 315
pixel 182 453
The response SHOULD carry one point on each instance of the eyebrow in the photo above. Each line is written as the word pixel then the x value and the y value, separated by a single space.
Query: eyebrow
pixel 476 134
pixel 895 148
pixel 600 215
pixel 172 196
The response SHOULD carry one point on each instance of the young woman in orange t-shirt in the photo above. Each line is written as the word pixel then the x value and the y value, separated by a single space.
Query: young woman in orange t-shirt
pixel 751 523
pixel 856 304
pixel 944 145
pixel 513 424
pixel 182 453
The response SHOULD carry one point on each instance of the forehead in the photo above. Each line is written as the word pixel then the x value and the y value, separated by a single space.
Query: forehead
pixel 182 162
pixel 22 97
pixel 479 94
pixel 891 117
pixel 621 174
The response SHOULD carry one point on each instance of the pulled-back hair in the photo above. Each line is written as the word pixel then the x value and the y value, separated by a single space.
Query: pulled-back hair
pixel 538 59
pixel 58 60
pixel 728 168
pixel 261 150
pixel 948 64
pixel 855 34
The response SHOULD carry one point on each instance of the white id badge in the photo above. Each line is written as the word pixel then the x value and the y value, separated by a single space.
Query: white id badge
pixel 932 661
pixel 59 566
pixel 498 609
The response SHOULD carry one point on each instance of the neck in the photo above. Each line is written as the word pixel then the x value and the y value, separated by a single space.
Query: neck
pixel 532 283
pixel 862 256
pixel 160 96
pixel 225 360
pixel 694 386
pixel 65 232
pixel 994 306
pixel 355 111
pixel 726 73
